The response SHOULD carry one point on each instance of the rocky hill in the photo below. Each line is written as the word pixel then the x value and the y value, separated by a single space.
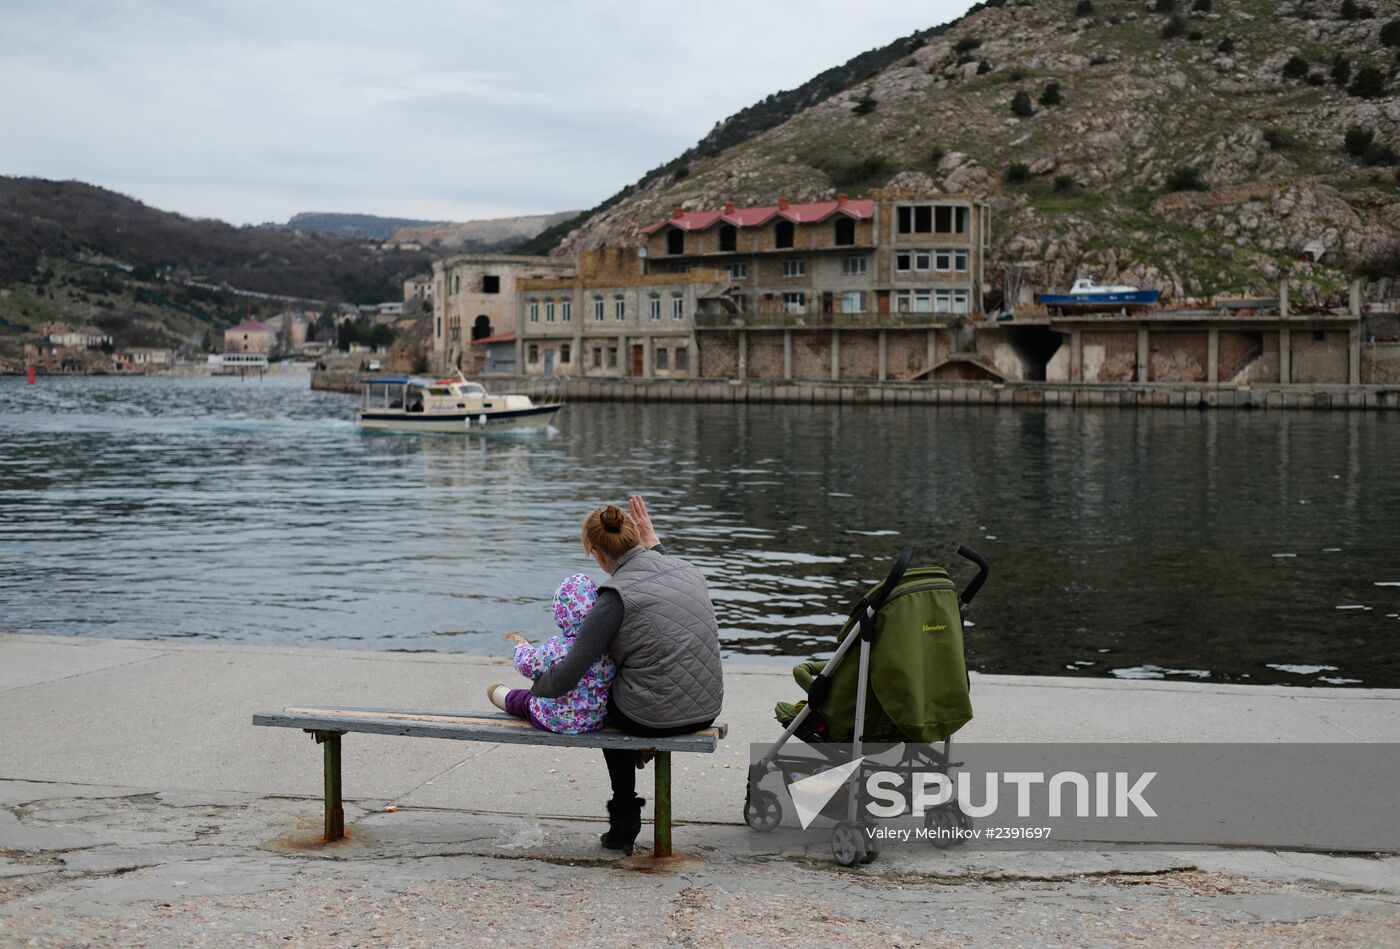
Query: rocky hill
pixel 496 234
pixel 1195 145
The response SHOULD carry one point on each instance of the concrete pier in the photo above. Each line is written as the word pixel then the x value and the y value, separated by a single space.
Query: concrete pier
pixel 137 802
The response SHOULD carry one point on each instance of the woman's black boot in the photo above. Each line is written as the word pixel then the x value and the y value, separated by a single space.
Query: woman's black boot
pixel 624 824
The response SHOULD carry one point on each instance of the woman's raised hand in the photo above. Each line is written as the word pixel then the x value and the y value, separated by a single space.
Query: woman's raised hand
pixel 642 519
pixel 517 638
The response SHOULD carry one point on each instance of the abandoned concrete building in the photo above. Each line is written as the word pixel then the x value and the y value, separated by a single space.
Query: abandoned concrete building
pixel 841 289
pixel 474 299
pixel 610 319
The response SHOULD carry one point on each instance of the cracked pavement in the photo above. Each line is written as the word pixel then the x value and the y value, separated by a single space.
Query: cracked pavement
pixel 86 865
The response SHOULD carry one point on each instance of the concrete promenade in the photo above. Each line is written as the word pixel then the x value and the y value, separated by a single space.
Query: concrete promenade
pixel 138 805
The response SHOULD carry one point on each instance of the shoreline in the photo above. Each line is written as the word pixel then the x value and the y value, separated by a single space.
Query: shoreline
pixel 1135 395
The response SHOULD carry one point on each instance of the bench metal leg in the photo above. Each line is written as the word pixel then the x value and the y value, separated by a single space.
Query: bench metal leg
pixel 662 847
pixel 335 809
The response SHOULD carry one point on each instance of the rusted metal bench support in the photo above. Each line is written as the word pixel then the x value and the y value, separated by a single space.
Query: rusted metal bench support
pixel 335 806
pixel 662 845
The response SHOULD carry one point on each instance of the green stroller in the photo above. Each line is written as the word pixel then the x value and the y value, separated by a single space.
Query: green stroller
pixel 910 685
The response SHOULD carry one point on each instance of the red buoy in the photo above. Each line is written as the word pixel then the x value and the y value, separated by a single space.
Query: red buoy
pixel 31 375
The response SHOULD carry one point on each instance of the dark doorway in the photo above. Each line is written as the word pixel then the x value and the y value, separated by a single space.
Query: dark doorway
pixel 481 327
pixel 828 301
pixel 782 234
pixel 675 241
pixel 1036 345
pixel 728 237
pixel 845 232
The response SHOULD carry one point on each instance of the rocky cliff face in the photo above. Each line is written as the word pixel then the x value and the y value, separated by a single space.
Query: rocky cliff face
pixel 1198 149
pixel 496 234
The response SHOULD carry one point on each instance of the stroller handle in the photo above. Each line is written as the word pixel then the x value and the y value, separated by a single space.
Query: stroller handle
pixel 983 569
pixel 870 605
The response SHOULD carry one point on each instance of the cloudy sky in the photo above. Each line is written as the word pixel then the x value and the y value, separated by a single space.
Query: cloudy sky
pixel 252 110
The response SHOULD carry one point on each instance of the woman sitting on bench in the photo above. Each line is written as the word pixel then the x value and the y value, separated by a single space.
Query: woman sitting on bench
pixel 655 618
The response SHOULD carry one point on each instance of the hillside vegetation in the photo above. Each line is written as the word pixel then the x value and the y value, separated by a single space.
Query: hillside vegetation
pixel 1192 145
pixel 65 250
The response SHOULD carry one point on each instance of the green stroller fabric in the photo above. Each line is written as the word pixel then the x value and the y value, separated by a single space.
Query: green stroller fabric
pixel 918 689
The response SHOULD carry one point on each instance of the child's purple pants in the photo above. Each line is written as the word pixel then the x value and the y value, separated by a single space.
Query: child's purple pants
pixel 518 704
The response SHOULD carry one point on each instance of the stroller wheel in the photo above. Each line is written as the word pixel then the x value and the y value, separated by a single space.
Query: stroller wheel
pixel 943 824
pixel 763 811
pixel 848 844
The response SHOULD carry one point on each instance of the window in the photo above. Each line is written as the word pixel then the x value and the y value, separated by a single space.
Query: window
pixel 677 306
pixel 914 301
pixel 566 310
pixel 741 302
pixel 565 353
pixel 923 260
pixel 598 308
pixel 782 234
pixel 923 219
pixel 728 237
pixel 845 231
pixel 943 222
pixel 943 302
pixel 549 311
pixel 682 357
pixel 795 302
pixel 906 219
pixel 794 267
pixel 852 301
pixel 681 268
pixel 661 358
pixel 439 327
pixel 533 354
pixel 534 311
pixel 490 283
pixel 619 307
pixel 853 265
pixel 950 259
pixel 904 262
pixel 960 301
pixel 960 220
pixel 597 357
pixel 612 357
pixel 675 241
pixel 739 271
pixel 456 282
pixel 654 306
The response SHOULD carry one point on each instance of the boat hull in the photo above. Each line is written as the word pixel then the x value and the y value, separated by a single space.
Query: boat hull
pixel 538 417
pixel 1100 301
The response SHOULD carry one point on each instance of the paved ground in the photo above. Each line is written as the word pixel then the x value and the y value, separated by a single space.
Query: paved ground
pixel 138 806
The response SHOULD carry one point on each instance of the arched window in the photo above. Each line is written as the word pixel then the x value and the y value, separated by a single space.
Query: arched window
pixel 481 327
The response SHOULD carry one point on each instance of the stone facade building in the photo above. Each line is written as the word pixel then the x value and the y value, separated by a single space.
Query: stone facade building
pixel 474 297
pixel 611 319
pixel 841 289
pixel 250 336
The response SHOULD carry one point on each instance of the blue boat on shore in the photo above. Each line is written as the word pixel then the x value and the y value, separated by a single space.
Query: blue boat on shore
pixel 1085 295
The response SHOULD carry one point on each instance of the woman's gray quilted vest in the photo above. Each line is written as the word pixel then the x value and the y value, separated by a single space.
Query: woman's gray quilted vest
pixel 667 649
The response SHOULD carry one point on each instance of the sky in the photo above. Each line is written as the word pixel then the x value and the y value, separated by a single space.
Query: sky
pixel 253 110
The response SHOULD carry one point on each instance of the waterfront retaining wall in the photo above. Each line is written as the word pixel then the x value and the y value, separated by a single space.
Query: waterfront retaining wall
pixel 1066 395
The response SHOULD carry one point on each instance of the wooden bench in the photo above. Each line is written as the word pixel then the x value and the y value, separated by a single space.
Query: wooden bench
pixel 328 724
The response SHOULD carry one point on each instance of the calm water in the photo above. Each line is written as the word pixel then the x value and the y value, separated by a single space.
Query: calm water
pixel 1219 546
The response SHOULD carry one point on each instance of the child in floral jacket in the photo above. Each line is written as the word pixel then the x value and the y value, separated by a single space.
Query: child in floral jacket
pixel 583 708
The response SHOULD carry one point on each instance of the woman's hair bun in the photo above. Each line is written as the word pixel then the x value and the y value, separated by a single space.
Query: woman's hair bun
pixel 612 518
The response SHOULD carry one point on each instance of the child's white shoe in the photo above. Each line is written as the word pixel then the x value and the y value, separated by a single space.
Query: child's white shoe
pixel 496 694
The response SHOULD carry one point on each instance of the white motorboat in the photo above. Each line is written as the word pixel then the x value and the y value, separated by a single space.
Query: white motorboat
pixel 415 404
